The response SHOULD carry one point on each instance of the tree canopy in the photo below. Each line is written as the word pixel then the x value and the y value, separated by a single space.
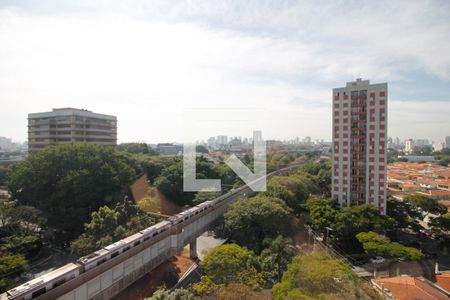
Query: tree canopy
pixel 405 214
pixel 426 204
pixel 313 275
pixel 67 182
pixel 356 219
pixel 291 189
pixel 250 221
pixel 227 264
pixel 375 244
pixel 276 256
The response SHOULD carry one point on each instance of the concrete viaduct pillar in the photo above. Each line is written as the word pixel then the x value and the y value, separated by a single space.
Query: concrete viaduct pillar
pixel 193 250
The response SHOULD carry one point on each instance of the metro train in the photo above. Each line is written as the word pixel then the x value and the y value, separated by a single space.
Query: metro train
pixel 42 284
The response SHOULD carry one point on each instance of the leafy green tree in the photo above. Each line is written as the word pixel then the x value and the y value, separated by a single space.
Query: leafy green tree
pixel 126 209
pixel 26 245
pixel 405 214
pixel 226 174
pixel 136 148
pixel 67 182
pixel 103 230
pixel 223 264
pixel 201 149
pixel 170 181
pixel 11 265
pixel 226 264
pixel 375 244
pixel 356 219
pixel 426 204
pixel 441 224
pixel 153 165
pixel 290 189
pixel 323 217
pixel 177 294
pixel 4 170
pixel 250 221
pixel 234 291
pixel 201 196
pixel 277 254
pixel 314 275
pixel 20 220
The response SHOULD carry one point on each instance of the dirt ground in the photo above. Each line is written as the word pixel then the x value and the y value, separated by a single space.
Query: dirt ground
pixel 149 283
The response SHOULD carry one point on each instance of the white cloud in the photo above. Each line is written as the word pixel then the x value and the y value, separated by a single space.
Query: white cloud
pixel 146 62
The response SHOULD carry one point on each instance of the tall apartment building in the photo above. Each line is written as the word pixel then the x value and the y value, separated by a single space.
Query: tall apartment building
pixel 66 125
pixel 359 144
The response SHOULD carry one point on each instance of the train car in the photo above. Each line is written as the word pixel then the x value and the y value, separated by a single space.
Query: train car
pixel 132 241
pixel 154 230
pixel 42 284
pixel 115 249
pixel 94 259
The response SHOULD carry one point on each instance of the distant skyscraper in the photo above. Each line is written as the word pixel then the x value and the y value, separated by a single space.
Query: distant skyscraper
pixel 409 145
pixel 222 141
pixel 447 142
pixel 66 125
pixel 257 136
pixel 359 144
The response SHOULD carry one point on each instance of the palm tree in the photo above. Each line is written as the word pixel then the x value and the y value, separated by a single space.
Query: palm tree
pixel 280 252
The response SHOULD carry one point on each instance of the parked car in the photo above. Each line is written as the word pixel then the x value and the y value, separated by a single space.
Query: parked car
pixel 377 260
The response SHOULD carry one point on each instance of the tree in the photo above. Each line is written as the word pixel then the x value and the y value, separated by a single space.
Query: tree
pixel 426 204
pixel 67 182
pixel 375 244
pixel 136 148
pixel 104 229
pixel 356 219
pixel 201 197
pixel 234 291
pixel 323 217
pixel 126 210
pixel 20 220
pixel 10 266
pixel 314 275
pixel 276 256
pixel 201 149
pixel 228 264
pixel 250 221
pixel 441 224
pixel 177 294
pixel 404 213
pixel 290 189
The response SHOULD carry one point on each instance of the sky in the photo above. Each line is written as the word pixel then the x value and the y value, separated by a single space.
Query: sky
pixel 186 70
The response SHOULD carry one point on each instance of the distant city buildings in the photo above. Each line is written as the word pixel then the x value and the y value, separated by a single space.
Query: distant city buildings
pixel 359 144
pixel 66 125
pixel 5 144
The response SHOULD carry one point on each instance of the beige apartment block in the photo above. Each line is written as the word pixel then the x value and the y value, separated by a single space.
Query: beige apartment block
pixel 68 125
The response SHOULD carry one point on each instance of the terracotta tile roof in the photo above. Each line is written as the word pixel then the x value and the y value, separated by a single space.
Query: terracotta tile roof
pixel 443 281
pixel 407 287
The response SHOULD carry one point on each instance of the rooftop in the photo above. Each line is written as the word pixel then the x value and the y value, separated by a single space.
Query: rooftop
pixel 406 287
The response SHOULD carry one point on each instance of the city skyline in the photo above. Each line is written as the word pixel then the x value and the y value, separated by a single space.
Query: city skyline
pixel 147 64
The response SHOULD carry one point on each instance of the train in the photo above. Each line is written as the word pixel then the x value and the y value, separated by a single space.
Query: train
pixel 42 284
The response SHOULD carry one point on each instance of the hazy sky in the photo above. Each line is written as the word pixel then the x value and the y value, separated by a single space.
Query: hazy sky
pixel 235 65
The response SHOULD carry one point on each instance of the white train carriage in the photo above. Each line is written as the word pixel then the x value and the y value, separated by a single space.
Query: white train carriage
pixel 40 285
pixel 94 259
pixel 154 230
pixel 132 241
